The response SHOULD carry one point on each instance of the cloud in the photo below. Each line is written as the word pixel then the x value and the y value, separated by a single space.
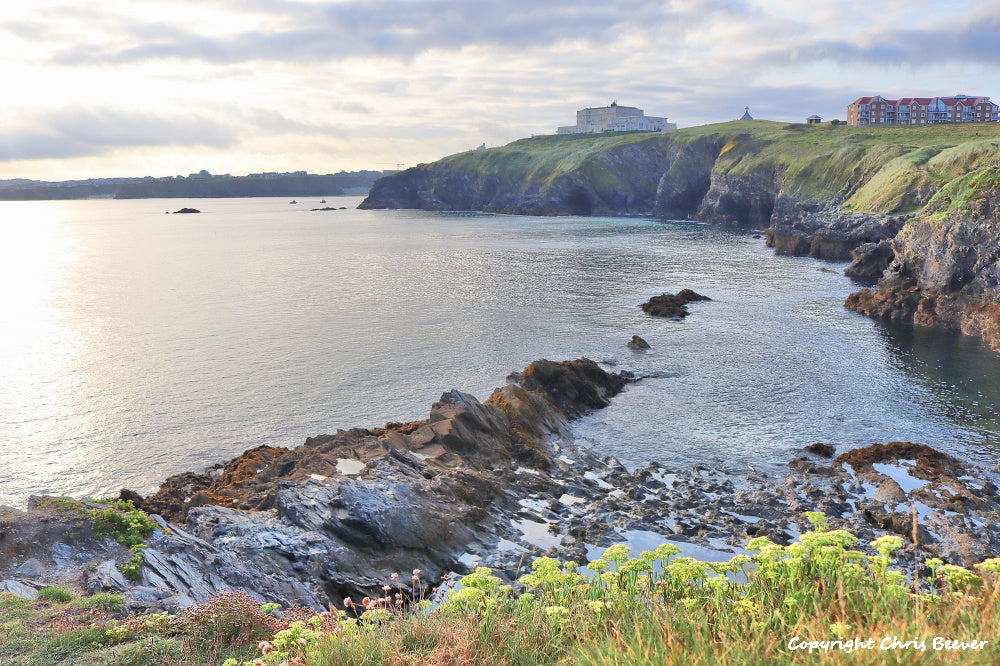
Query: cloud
pixel 969 38
pixel 398 29
pixel 88 132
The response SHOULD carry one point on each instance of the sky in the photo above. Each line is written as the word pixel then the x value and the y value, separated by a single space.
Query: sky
pixel 108 88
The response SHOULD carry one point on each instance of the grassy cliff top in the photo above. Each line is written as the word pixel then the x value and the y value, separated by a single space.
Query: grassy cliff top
pixel 871 169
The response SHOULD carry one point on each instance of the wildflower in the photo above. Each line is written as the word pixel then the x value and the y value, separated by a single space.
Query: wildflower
pixel 416 572
pixel 258 662
pixel 265 647
pixel 840 629
pixel 366 602
pixel 745 607
pixel 347 602
pixel 386 588
pixel 598 566
pixel 887 545
pixel 617 553
pixel 394 577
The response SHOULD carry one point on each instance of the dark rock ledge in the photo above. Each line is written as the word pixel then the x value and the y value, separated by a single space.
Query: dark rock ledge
pixel 490 483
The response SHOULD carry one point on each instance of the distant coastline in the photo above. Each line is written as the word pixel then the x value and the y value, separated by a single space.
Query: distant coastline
pixel 199 185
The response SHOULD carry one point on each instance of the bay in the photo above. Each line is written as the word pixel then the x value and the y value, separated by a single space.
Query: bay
pixel 135 344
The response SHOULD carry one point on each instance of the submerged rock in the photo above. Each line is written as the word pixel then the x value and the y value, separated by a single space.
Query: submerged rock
pixel 186 211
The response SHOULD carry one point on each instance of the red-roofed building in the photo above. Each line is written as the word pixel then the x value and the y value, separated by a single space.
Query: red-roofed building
pixel 877 110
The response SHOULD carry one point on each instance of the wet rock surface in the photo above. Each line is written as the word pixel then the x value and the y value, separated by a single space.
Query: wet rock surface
pixel 672 305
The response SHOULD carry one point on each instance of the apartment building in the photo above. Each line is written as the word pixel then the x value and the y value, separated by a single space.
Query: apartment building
pixel 877 110
pixel 615 118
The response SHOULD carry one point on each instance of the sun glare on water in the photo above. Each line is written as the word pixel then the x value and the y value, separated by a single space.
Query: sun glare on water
pixel 36 342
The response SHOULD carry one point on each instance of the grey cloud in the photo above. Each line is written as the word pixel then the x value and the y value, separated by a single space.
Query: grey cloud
pixel 972 39
pixel 79 133
pixel 399 29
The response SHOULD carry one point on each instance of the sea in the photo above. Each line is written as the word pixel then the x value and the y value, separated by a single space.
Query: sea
pixel 136 344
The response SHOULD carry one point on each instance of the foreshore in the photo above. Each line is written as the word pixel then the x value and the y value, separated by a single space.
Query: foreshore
pixel 485 483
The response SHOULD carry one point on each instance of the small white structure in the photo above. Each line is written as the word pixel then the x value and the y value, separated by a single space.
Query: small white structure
pixel 814 119
pixel 615 118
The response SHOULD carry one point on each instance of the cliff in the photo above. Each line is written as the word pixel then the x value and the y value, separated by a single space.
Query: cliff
pixel 913 198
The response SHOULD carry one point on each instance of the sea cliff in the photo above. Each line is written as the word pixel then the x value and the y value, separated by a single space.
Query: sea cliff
pixel 905 204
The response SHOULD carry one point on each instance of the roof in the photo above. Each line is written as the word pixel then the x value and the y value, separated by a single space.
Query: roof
pixel 814 116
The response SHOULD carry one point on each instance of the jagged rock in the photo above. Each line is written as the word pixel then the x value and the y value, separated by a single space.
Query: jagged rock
pixel 194 569
pixel 106 577
pixel 946 269
pixel 32 568
pixel 672 305
pixel 869 261
pixel 637 343
pixel 19 589
pixel 821 449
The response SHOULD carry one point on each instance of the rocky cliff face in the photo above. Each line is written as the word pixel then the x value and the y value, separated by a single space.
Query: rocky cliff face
pixel 945 269
pixel 651 177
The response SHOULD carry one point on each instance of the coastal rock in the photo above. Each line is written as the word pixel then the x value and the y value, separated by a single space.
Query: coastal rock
pixel 672 305
pixel 186 211
pixel 821 449
pixel 946 269
pixel 637 343
pixel 429 492
pixel 869 261
pixel 19 589
pixel 823 231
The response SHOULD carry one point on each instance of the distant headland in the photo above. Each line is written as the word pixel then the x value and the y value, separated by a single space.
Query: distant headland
pixel 196 185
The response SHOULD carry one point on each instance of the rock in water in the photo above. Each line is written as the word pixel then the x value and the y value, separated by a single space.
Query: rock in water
pixel 637 343
pixel 183 211
pixel 672 305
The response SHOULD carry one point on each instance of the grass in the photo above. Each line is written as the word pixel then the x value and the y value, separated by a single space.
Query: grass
pixel 872 169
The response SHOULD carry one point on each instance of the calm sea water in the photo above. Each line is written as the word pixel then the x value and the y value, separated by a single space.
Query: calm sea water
pixel 135 345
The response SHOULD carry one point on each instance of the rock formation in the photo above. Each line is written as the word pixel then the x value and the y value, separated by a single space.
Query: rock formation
pixel 672 305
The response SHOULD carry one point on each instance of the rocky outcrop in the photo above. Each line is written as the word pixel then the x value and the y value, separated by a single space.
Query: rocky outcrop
pixel 946 266
pixel 672 305
pixel 826 232
pixel 341 512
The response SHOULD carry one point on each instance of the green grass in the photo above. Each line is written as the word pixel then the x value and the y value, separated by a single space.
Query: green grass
pixel 868 169
pixel 55 593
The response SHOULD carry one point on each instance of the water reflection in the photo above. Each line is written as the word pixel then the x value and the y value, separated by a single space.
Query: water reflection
pixel 960 373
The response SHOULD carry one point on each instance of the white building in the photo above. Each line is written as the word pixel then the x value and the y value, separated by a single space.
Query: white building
pixel 615 118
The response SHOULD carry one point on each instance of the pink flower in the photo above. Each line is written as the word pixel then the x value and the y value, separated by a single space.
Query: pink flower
pixel 394 577
pixel 348 603
pixel 386 588
pixel 265 647
pixel 416 572
pixel 366 602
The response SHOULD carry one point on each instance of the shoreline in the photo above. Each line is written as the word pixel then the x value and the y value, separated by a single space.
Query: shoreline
pixel 493 483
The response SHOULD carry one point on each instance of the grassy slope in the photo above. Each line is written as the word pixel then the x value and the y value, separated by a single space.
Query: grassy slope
pixel 874 169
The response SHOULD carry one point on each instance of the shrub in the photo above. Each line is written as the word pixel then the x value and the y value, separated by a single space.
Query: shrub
pixel 56 593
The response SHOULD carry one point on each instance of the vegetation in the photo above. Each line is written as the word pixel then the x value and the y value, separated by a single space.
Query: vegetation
pixel 872 169
pixel 819 600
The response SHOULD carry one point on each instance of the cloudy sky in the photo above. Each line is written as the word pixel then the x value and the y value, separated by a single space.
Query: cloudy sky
pixel 165 87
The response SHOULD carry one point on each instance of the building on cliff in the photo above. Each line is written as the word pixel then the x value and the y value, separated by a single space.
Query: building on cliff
pixel 615 118
pixel 877 110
